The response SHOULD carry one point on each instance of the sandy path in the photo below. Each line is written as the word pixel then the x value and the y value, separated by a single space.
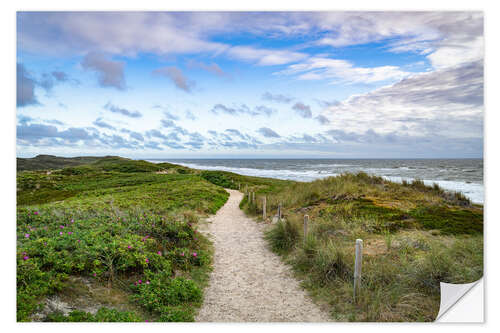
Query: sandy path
pixel 249 283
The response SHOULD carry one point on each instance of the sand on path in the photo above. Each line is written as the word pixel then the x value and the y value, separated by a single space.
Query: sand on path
pixel 249 283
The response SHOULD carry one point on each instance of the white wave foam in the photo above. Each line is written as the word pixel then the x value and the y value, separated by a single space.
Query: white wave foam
pixel 268 173
pixel 474 191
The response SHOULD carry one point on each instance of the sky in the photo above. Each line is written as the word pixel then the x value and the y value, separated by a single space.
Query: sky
pixel 250 84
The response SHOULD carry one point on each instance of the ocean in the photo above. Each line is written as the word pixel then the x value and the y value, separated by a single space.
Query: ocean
pixel 464 175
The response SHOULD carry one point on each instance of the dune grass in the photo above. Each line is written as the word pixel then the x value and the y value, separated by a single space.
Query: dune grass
pixel 122 227
pixel 415 236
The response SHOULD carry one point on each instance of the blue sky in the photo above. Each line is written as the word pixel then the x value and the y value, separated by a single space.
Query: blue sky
pixel 250 84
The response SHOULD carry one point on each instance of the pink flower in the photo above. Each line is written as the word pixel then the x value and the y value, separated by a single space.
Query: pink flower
pixel 60 233
pixel 130 246
pixel 70 232
pixel 94 274
pixel 72 221
pixel 159 253
pixel 147 282
pixel 26 258
pixel 35 212
pixel 135 283
pixel 195 238
pixel 61 226
pixel 44 243
pixel 78 241
pixel 140 281
pixel 147 260
pixel 195 254
pixel 27 235
pixel 182 254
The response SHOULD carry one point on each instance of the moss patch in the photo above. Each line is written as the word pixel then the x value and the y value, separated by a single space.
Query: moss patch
pixel 450 221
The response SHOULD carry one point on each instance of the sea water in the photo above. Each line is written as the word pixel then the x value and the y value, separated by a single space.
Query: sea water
pixel 461 175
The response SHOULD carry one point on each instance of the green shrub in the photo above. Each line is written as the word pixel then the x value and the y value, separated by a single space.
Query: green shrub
pixel 448 220
pixel 102 315
pixel 163 294
pixel 112 237
pixel 177 314
pixel 219 178
pixel 283 236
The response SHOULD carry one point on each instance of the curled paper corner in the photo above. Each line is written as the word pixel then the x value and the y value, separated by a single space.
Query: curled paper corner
pixel 457 306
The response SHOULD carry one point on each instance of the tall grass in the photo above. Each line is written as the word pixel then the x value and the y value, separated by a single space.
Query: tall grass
pixel 284 236
pixel 415 236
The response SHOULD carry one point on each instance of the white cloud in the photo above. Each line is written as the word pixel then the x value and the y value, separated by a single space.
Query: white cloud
pixel 448 38
pixel 453 55
pixel 447 102
pixel 125 33
pixel 456 35
pixel 343 71
pixel 265 57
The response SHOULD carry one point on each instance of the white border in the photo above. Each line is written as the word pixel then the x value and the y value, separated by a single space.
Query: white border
pixel 492 138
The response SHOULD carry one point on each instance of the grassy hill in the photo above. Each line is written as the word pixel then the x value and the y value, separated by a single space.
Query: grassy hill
pixel 415 237
pixel 103 163
pixel 47 162
pixel 116 239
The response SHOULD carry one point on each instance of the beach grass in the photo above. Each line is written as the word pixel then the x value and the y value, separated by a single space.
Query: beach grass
pixel 119 229
pixel 415 236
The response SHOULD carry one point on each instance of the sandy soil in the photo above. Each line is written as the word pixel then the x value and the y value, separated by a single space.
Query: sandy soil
pixel 249 282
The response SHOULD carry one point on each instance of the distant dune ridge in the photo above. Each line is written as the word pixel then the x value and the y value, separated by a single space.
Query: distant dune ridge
pixel 43 162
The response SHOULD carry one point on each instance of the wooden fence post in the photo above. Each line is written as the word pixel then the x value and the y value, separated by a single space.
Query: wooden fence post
pixel 264 208
pixel 253 198
pixel 306 222
pixel 357 267
pixel 279 211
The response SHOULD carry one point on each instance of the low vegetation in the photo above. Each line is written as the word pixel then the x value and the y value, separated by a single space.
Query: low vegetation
pixel 46 162
pixel 126 227
pixel 129 230
pixel 415 237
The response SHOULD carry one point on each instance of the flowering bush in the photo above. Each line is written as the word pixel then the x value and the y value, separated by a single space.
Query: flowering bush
pixel 115 226
pixel 104 246
pixel 163 295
